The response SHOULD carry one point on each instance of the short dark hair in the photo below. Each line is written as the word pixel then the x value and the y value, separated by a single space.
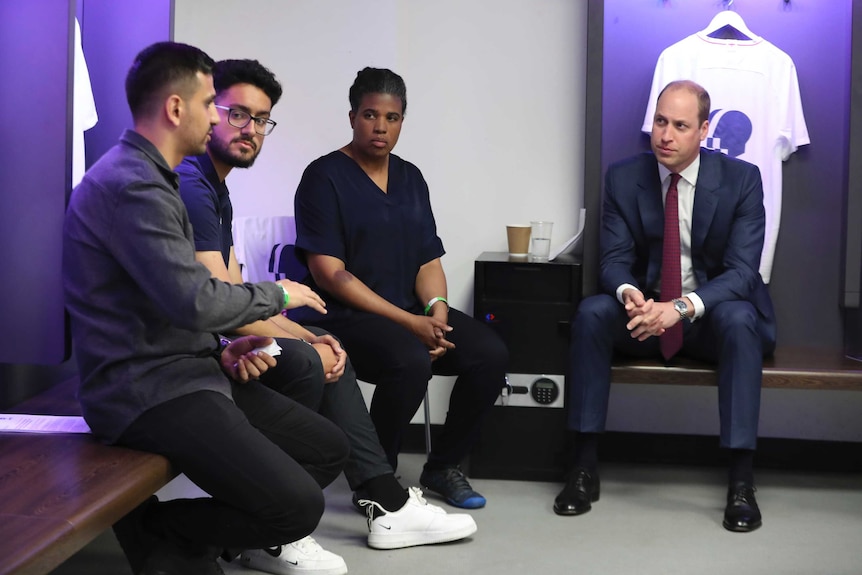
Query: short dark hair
pixel 377 81
pixel 703 101
pixel 227 73
pixel 160 67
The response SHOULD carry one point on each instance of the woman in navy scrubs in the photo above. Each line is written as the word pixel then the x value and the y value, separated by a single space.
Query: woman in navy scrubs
pixel 366 231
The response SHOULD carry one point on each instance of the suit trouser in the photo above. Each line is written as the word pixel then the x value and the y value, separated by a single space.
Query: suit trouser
pixel 298 374
pixel 731 334
pixel 263 458
pixel 389 356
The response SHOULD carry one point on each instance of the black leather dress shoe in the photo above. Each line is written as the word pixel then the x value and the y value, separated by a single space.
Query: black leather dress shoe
pixel 742 513
pixel 582 488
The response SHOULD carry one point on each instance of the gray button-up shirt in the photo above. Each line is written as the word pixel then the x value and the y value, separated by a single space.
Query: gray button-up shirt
pixel 143 311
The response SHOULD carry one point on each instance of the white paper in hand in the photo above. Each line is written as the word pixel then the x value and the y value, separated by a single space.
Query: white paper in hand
pixel 272 349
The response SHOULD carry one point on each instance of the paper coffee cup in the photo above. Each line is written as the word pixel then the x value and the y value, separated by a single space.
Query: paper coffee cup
pixel 519 239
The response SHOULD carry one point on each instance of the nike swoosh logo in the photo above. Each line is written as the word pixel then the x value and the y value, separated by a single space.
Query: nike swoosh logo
pixel 386 526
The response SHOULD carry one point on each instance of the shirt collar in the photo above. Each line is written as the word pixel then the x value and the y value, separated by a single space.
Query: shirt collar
pixel 204 164
pixel 208 169
pixel 689 174
pixel 134 139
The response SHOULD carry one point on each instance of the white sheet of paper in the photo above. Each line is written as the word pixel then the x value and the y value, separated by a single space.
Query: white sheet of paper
pixel 570 243
pixel 27 423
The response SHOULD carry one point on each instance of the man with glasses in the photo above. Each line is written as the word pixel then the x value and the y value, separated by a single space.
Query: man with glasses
pixel 241 118
pixel 318 375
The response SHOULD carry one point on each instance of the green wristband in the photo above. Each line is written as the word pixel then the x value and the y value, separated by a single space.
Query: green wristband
pixel 434 300
pixel 286 295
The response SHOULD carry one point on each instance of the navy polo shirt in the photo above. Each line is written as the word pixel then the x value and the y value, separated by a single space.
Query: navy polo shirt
pixel 382 238
pixel 208 202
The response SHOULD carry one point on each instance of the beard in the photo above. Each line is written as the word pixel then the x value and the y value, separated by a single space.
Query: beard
pixel 221 152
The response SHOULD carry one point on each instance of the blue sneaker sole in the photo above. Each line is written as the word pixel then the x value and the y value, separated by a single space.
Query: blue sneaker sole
pixel 469 503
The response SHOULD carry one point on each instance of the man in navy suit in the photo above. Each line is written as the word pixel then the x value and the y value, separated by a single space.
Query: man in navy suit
pixel 721 311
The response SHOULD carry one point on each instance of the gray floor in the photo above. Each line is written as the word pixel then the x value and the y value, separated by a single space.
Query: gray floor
pixel 650 520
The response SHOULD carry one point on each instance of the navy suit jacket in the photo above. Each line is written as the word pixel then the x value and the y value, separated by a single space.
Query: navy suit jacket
pixel 728 226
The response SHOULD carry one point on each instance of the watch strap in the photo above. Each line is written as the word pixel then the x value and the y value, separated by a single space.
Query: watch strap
pixel 680 308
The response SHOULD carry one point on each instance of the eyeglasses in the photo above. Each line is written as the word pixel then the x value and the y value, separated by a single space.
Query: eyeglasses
pixel 240 119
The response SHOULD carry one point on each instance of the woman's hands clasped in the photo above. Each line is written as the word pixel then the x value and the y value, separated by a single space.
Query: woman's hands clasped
pixel 432 332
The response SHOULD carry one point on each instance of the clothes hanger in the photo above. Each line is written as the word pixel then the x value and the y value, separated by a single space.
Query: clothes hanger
pixel 728 25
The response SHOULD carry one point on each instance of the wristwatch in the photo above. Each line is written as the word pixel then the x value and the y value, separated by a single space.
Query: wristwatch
pixel 680 308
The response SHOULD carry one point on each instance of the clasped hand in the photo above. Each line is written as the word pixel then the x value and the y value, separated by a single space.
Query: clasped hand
pixel 647 317
pixel 329 345
pixel 432 332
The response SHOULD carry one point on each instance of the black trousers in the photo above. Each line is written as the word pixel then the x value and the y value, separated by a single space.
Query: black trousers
pixel 262 457
pixel 299 375
pixel 398 364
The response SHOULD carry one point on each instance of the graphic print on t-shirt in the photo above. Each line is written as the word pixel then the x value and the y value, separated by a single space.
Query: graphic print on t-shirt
pixel 729 131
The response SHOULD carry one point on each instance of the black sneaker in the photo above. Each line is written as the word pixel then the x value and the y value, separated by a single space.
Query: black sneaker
pixel 451 484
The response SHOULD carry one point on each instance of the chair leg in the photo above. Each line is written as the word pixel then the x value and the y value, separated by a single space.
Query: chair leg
pixel 427 425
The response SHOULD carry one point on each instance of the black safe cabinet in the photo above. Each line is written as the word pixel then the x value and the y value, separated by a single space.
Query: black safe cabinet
pixel 530 305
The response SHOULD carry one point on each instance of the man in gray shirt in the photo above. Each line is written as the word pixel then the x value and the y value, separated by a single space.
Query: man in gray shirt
pixel 143 314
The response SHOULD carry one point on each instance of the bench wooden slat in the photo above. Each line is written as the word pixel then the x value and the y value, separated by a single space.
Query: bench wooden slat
pixel 59 491
pixel 790 367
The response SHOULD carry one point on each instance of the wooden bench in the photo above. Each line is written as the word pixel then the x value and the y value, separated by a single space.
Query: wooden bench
pixel 789 368
pixel 542 454
pixel 59 491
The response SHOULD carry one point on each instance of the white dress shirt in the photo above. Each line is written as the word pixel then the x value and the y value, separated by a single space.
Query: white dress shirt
pixel 685 193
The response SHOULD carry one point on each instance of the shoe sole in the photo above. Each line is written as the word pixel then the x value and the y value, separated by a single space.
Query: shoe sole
pixel 466 504
pixel 453 503
pixel 740 529
pixel 567 513
pixel 293 569
pixel 401 540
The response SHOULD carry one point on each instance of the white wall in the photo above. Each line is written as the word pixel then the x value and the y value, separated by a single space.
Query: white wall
pixel 495 116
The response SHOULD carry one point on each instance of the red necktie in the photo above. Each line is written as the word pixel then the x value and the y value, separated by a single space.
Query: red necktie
pixel 671 268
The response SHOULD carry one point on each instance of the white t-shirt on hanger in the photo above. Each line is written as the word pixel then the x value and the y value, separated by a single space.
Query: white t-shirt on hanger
pixel 756 109
pixel 84 114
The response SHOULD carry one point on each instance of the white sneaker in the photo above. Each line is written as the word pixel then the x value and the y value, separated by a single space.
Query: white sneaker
pixel 305 556
pixel 417 523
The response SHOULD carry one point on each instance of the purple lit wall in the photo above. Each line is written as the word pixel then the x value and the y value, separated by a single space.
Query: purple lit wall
pixel 807 272
pixel 113 34
pixel 35 157
pixel 35 175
